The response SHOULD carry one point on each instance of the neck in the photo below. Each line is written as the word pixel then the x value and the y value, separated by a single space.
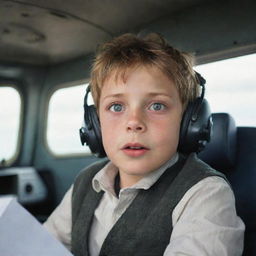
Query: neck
pixel 127 181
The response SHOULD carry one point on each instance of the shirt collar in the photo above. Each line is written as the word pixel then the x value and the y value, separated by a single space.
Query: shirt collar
pixel 105 178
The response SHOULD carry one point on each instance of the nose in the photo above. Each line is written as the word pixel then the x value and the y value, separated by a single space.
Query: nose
pixel 136 122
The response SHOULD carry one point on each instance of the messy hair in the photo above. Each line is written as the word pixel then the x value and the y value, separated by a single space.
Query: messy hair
pixel 128 51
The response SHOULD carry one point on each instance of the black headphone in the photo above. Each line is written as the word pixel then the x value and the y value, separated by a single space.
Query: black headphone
pixel 90 132
pixel 195 129
pixel 196 124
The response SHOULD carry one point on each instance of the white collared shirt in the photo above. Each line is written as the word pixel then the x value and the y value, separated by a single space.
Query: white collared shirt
pixel 204 221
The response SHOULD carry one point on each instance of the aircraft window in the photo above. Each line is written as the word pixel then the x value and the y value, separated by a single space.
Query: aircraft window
pixel 9 128
pixel 231 87
pixel 65 116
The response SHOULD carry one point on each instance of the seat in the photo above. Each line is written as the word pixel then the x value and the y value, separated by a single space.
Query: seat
pixel 232 150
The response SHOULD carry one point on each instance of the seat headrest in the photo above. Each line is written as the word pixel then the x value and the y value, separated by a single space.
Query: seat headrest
pixel 220 152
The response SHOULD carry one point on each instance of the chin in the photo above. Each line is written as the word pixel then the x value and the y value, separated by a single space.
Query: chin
pixel 138 169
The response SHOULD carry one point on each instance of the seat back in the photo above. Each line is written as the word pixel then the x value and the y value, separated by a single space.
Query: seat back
pixel 232 150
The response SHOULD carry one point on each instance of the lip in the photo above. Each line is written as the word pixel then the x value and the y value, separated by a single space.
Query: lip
pixel 135 149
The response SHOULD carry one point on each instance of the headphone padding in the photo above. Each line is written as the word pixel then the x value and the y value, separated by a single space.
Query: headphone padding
pixel 90 133
pixel 195 127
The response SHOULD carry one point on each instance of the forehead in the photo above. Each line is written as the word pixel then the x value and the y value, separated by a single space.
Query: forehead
pixel 121 75
pixel 146 79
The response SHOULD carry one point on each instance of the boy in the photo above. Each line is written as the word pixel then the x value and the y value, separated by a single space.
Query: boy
pixel 148 199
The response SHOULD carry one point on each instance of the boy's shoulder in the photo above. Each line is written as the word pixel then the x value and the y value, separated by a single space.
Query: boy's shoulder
pixel 193 171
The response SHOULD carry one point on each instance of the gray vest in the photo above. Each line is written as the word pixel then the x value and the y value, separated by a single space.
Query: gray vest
pixel 145 227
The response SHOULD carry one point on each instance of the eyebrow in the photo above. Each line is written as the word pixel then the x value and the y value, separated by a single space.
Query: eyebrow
pixel 154 94
pixel 151 94
pixel 116 95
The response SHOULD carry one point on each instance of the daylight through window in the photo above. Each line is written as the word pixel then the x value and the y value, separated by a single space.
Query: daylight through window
pixel 65 117
pixel 10 108
pixel 231 87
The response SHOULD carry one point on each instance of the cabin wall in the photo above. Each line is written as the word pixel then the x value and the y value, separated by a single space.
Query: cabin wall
pixel 211 31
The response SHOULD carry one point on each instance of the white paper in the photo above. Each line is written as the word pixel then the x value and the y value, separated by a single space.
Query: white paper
pixel 4 202
pixel 22 235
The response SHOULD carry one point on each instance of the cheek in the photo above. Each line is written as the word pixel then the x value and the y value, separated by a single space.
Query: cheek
pixel 109 128
pixel 167 131
pixel 106 127
pixel 106 137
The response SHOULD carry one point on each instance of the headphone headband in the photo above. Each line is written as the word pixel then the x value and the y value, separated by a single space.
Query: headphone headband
pixel 201 82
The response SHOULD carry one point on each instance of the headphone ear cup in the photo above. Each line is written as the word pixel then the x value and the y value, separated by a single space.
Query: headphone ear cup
pixel 90 133
pixel 196 124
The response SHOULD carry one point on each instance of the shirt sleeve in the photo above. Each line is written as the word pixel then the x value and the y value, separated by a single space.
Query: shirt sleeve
pixel 59 222
pixel 205 222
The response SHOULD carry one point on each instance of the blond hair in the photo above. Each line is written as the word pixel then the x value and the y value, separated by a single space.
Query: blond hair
pixel 128 51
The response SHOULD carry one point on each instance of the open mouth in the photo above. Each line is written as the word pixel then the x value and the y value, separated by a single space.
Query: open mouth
pixel 135 150
pixel 135 146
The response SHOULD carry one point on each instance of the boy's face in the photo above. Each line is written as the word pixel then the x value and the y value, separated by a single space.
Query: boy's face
pixel 140 120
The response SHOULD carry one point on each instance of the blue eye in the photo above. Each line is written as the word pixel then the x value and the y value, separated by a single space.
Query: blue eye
pixel 116 107
pixel 157 107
